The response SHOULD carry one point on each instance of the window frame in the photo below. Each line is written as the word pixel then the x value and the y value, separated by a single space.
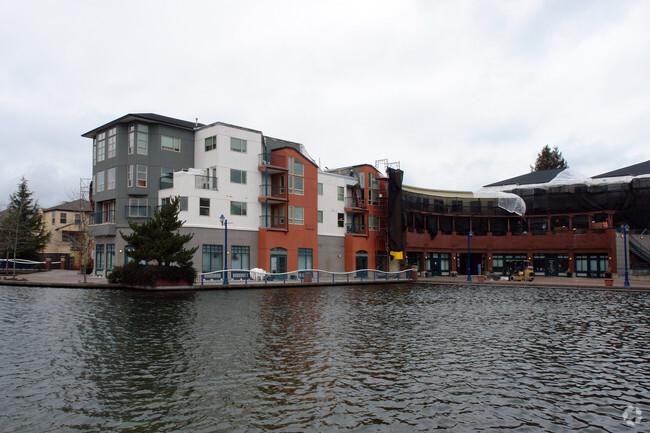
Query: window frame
pixel 242 147
pixel 236 173
pixel 174 146
pixel 212 145
pixel 204 206
pixel 243 208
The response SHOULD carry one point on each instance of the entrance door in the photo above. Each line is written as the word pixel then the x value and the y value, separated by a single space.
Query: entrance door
pixel 278 260
pixel 552 266
pixel 361 263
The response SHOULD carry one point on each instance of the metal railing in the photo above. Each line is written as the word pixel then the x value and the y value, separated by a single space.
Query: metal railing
pixel 273 222
pixel 356 229
pixel 241 276
pixel 206 182
pixel 272 160
pixel 102 217
pixel 273 191
pixel 355 202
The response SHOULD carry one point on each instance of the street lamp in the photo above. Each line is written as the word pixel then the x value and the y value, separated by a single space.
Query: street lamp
pixel 469 235
pixel 224 223
pixel 626 229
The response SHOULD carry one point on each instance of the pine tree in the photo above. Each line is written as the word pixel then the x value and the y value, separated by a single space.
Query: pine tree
pixel 548 159
pixel 157 240
pixel 22 225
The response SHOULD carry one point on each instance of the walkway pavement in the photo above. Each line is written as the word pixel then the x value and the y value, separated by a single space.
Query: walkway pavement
pixel 65 278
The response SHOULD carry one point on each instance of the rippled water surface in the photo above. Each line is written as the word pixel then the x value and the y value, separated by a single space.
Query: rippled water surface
pixel 386 358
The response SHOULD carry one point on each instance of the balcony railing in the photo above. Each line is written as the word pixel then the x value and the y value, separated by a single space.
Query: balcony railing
pixel 355 202
pixel 137 211
pixel 273 192
pixel 356 229
pixel 206 182
pixel 273 222
pixel 268 159
pixel 103 217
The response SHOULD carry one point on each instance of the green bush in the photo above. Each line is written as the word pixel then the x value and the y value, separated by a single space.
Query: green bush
pixel 136 274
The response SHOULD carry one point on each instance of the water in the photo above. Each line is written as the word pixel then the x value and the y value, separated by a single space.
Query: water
pixel 386 358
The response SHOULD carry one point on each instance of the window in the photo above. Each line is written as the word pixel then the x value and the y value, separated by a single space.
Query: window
pixel 241 257
pixel 94 151
pixel 237 208
pixel 131 139
pixel 320 189
pixel 204 206
pixel 183 204
pixel 143 139
pixel 63 218
pixel 210 143
pixel 53 217
pixel 237 145
pixel 110 257
pixel 237 176
pixel 170 143
pixel 166 177
pixel 99 257
pixel 212 258
pixel 101 146
pixel 110 183
pixel 141 173
pixel 341 220
pixel 373 222
pixel 296 181
pixel 100 182
pixel 138 208
pixel 341 193
pixel 305 258
pixel 373 183
pixel 112 142
pixel 320 216
pixel 296 215
pixel 77 218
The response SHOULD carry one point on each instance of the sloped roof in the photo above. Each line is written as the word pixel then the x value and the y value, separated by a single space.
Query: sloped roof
pixel 70 206
pixel 150 117
pixel 535 177
pixel 631 170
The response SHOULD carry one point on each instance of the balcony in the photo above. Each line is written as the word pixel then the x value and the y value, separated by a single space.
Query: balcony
pixel 102 217
pixel 273 163
pixel 356 229
pixel 271 222
pixel 273 193
pixel 206 182
pixel 358 203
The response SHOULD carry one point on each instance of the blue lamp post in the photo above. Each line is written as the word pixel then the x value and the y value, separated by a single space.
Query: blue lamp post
pixel 469 236
pixel 224 223
pixel 626 229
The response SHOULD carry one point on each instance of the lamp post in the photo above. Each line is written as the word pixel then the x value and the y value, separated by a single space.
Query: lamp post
pixel 469 235
pixel 626 229
pixel 224 223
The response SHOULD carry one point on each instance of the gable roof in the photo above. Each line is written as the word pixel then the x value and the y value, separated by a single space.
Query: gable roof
pixel 147 117
pixel 535 177
pixel 631 170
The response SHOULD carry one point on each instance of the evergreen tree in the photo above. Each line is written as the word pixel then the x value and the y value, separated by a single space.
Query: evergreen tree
pixel 22 225
pixel 157 240
pixel 548 159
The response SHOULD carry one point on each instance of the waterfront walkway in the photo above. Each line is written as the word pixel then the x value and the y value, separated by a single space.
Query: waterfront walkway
pixel 65 278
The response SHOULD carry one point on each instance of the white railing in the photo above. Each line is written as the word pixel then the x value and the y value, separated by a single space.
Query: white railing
pixel 243 276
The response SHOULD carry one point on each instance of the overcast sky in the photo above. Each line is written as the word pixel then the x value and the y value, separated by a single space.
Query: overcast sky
pixel 461 93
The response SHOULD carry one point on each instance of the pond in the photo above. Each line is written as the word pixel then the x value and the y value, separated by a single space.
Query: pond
pixel 372 358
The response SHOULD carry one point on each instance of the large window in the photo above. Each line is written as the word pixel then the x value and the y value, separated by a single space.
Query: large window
pixel 170 143
pixel 212 258
pixel 141 175
pixel 296 215
pixel 211 143
pixel 238 208
pixel 112 142
pixel 296 173
pixel 110 184
pixel 241 257
pixel 100 182
pixel 138 208
pixel 143 139
pixel 237 176
pixel 101 146
pixel 305 258
pixel 63 218
pixel 237 145
pixel 204 206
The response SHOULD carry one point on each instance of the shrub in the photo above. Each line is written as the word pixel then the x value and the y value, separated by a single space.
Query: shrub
pixel 136 274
